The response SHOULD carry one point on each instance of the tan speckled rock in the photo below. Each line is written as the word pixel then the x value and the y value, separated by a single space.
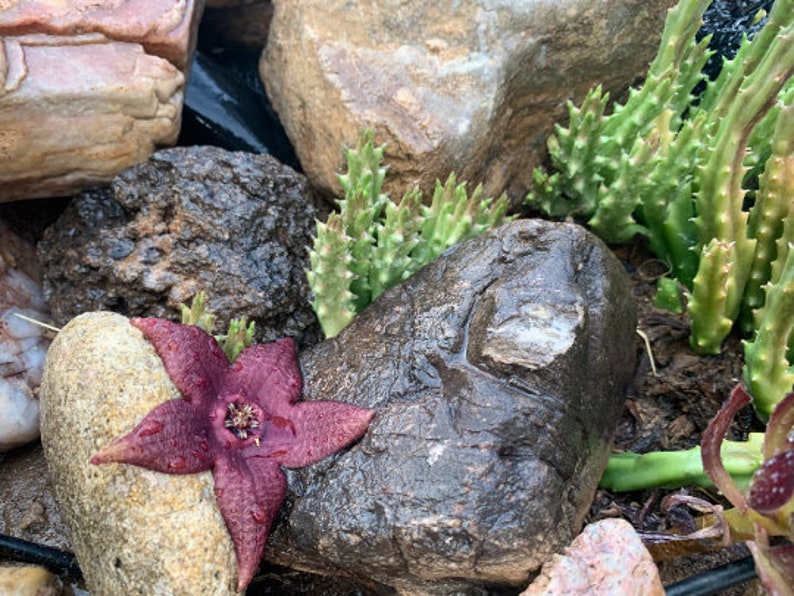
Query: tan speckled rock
pixel 27 580
pixel 134 531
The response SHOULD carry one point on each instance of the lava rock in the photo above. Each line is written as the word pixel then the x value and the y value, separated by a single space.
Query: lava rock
pixel 497 373
pixel 234 225
pixel 728 21
pixel 475 90
pixel 134 531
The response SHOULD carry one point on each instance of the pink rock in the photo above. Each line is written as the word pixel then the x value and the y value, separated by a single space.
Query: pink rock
pixel 608 557
pixel 88 88
pixel 163 28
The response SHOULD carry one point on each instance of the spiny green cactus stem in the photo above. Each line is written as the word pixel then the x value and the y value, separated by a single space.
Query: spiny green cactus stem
pixel 330 276
pixel 773 206
pixel 707 302
pixel 678 171
pixel 599 159
pixel 372 243
pixel 360 209
pixel 197 313
pixel 749 85
pixel 768 371
pixel 669 295
pixel 239 336
pixel 396 238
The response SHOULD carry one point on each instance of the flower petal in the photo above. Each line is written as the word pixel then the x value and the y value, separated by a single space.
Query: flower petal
pixel 267 373
pixel 310 431
pixel 192 358
pixel 249 493
pixel 169 439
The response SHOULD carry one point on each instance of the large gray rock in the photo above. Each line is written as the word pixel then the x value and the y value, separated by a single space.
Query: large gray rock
pixel 88 89
pixel 498 373
pixel 134 531
pixel 475 88
pixel 234 225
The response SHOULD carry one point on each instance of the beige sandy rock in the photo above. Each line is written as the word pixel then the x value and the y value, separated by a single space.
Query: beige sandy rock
pixel 28 580
pixel 88 89
pixel 134 531
pixel 608 557
pixel 475 90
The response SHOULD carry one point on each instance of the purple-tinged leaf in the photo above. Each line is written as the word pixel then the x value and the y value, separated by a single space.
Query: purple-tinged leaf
pixel 772 485
pixel 711 443
pixel 779 434
pixel 775 566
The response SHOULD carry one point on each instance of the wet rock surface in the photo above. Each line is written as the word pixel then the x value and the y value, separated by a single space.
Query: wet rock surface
pixel 476 90
pixel 234 225
pixel 497 373
pixel 134 531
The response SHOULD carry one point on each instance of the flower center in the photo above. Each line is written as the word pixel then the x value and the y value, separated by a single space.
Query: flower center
pixel 241 419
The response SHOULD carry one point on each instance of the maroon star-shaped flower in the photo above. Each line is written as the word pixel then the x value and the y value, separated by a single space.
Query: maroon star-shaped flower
pixel 239 420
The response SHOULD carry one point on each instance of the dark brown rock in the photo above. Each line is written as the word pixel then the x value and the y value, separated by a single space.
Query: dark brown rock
pixel 498 373
pixel 234 225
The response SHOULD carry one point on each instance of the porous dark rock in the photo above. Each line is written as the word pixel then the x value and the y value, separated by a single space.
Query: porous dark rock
pixel 234 225
pixel 498 373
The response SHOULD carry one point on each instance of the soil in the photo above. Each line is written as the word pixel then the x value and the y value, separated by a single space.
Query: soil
pixel 667 409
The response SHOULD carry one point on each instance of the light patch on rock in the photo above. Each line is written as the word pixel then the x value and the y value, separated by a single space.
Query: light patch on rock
pixel 536 335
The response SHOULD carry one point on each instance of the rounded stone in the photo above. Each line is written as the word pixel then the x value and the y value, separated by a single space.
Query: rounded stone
pixel 134 531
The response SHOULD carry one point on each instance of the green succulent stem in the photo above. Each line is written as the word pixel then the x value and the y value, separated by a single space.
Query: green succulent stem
pixel 770 214
pixel 748 88
pixel 680 172
pixel 239 336
pixel 768 373
pixel 628 471
pixel 373 243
